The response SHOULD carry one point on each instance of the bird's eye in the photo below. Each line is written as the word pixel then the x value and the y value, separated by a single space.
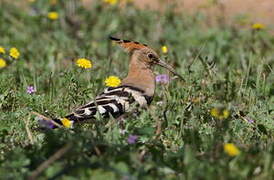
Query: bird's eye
pixel 151 56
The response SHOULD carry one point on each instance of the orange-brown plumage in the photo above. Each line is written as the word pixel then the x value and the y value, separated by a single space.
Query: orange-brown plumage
pixel 142 61
pixel 128 45
pixel 141 76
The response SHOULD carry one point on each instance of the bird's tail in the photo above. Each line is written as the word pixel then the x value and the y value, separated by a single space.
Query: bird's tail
pixel 50 123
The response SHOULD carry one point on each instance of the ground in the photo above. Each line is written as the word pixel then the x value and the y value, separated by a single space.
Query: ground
pixel 249 11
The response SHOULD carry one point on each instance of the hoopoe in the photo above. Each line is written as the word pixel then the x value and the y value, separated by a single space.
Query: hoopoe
pixel 137 88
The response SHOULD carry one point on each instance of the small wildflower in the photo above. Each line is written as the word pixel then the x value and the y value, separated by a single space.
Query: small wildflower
pixel 258 26
pixel 225 114
pixel 164 49
pixel 46 124
pixel 2 63
pixel 67 123
pixel 219 113
pixel 2 50
pixel 112 81
pixel 122 131
pixel 132 139
pixel 214 112
pixel 14 53
pixel 162 78
pixel 250 120
pixel 231 149
pixel 53 15
pixel 84 63
pixel 111 2
pixel 160 103
pixel 247 119
pixel 31 90
pixel 53 2
pixel 127 1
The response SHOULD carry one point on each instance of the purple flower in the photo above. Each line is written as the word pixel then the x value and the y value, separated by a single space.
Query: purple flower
pixel 132 139
pixel 250 120
pixel 162 78
pixel 31 90
pixel 46 124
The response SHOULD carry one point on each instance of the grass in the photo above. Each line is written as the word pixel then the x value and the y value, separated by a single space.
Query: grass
pixel 225 67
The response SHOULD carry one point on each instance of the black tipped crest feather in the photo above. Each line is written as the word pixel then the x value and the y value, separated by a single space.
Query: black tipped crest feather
pixel 127 44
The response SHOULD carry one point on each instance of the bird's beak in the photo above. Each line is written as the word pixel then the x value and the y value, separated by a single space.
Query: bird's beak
pixel 168 67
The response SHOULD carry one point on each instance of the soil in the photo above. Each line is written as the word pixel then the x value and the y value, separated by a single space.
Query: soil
pixel 239 11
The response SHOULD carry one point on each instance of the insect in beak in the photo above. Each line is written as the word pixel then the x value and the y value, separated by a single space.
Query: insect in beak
pixel 168 67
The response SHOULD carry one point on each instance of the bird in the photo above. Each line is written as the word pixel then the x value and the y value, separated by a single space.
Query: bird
pixel 137 89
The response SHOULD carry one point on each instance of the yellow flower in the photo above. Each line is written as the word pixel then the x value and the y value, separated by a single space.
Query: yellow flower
pixel 127 1
pixel 219 113
pixel 112 81
pixel 53 15
pixel 67 123
pixel 164 49
pixel 84 63
pixel 53 2
pixel 258 26
pixel 2 63
pixel 225 114
pixel 231 149
pixel 214 112
pixel 14 53
pixel 111 2
pixel 2 50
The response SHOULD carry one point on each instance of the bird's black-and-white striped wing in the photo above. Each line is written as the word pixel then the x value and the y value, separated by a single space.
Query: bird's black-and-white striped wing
pixel 113 101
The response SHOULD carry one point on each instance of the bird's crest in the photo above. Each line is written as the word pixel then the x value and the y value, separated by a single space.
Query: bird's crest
pixel 128 45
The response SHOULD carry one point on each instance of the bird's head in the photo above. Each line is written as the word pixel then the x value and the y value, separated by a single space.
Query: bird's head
pixel 144 54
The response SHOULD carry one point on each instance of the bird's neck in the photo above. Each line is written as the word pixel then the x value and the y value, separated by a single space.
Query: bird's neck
pixel 140 76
